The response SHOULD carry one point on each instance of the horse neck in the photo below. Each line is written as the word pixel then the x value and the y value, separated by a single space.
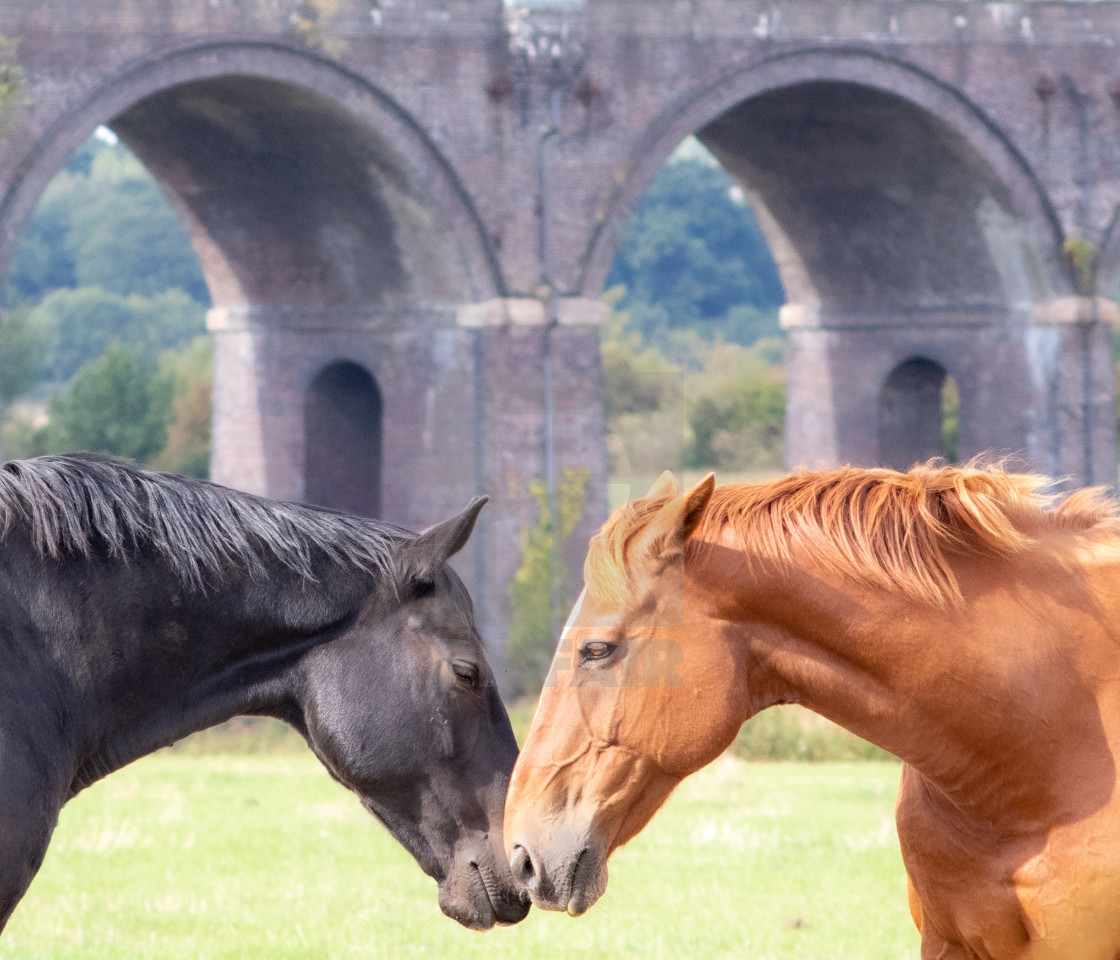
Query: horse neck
pixel 904 674
pixel 195 658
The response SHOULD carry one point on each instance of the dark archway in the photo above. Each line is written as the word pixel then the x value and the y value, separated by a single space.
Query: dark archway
pixel 342 416
pixel 912 423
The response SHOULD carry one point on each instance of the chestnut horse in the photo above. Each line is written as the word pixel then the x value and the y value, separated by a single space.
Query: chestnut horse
pixel 958 617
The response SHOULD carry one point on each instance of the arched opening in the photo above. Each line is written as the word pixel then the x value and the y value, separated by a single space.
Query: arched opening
pixel 104 342
pixel 887 224
pixel 874 204
pixel 918 414
pixel 315 204
pixel 342 425
pixel 695 341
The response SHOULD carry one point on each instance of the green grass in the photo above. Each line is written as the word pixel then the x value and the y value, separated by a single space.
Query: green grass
pixel 263 856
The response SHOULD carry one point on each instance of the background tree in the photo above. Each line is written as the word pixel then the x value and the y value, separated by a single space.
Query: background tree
pixel 116 404
pixel 187 450
pixel 693 258
pixel 103 221
pixel 78 325
pixel 530 640
pixel 105 262
pixel 21 345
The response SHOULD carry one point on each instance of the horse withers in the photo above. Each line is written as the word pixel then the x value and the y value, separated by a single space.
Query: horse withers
pixel 959 617
pixel 136 608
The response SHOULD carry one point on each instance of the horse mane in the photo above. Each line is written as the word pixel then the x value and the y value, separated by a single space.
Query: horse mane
pixel 76 503
pixel 877 525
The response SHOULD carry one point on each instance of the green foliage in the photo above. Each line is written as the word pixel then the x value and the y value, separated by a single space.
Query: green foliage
pixel 78 325
pixel 104 222
pixel 692 354
pixel 11 80
pixel 188 431
pixel 793 733
pixel 117 404
pixel 530 640
pixel 21 346
pixel 727 410
pixel 1080 258
pixel 693 258
pixel 103 289
pixel 640 378
pixel 736 409
pixel 311 22
pixel 950 419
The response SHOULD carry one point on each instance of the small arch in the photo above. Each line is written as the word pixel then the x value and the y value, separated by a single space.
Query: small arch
pixel 918 414
pixel 342 429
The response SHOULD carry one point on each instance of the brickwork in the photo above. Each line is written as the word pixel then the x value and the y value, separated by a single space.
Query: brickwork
pixel 394 183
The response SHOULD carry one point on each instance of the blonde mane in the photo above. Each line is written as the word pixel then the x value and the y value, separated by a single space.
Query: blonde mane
pixel 875 525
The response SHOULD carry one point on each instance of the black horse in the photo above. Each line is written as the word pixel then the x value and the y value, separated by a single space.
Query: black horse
pixel 138 607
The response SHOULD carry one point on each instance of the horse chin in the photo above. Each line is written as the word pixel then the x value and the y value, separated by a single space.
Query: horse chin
pixel 589 882
pixel 476 897
pixel 472 912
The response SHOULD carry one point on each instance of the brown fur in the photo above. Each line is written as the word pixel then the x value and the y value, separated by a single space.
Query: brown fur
pixel 880 526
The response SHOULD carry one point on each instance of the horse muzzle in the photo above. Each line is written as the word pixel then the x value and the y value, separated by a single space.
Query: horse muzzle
pixel 479 892
pixel 568 876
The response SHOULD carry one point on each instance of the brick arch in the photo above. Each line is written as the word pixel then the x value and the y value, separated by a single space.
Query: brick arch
pixel 1030 236
pixel 411 192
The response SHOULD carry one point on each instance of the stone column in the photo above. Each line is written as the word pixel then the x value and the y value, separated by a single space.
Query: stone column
pixel 509 350
pixel 1035 388
pixel 464 409
pixel 257 419
pixel 1070 346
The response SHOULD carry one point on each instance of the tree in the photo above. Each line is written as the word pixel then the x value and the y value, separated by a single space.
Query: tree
pixel 78 325
pixel 116 404
pixel 693 257
pixel 103 221
pixel 736 409
pixel 188 433
pixel 124 235
pixel 530 639
pixel 21 343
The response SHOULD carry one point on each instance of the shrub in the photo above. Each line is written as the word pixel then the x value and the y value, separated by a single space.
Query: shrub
pixel 531 639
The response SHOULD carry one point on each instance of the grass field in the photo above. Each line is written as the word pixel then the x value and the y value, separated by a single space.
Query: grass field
pixel 263 856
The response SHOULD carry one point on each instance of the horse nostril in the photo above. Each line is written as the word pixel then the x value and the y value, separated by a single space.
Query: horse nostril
pixel 521 865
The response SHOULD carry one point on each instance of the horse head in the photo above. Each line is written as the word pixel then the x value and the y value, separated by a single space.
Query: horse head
pixel 402 708
pixel 631 705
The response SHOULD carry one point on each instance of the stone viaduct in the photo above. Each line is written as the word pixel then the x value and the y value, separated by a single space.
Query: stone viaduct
pixel 406 209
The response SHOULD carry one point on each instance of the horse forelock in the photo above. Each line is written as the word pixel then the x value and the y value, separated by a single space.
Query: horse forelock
pixel 606 568
pixel 76 503
pixel 878 525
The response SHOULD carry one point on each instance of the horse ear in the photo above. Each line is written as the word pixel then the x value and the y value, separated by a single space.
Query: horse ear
pixel 438 544
pixel 664 486
pixel 696 502
pixel 675 522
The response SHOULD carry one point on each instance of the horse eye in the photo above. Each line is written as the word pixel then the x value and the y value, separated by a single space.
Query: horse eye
pixel 467 672
pixel 596 650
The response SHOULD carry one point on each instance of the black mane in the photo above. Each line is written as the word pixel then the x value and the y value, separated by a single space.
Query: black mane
pixel 78 502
